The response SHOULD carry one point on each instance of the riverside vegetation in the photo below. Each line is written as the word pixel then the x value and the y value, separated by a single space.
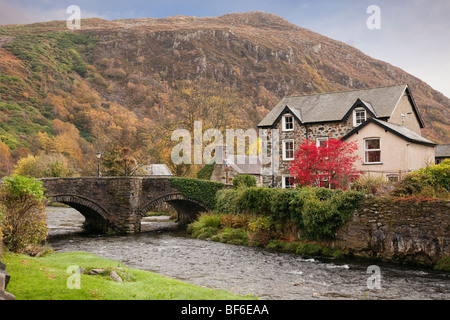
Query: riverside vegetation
pixel 304 220
pixel 291 220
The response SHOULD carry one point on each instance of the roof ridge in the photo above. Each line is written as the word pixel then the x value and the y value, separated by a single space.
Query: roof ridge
pixel 346 91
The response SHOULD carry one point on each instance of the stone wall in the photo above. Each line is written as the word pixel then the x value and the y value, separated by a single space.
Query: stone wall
pixel 398 230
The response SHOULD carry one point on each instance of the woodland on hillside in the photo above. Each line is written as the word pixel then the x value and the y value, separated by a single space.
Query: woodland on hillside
pixel 122 87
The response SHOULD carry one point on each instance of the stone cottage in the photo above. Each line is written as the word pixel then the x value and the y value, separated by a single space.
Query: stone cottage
pixel 384 121
pixel 234 165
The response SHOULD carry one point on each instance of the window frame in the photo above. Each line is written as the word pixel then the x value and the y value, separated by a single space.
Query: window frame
pixel 284 128
pixel 355 111
pixel 390 176
pixel 285 158
pixel 371 150
pixel 320 139
pixel 283 182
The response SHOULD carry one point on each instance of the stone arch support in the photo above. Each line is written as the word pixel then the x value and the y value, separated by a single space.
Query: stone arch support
pixel 96 216
pixel 187 208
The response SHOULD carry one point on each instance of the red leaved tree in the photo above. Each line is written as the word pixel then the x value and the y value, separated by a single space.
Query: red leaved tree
pixel 331 163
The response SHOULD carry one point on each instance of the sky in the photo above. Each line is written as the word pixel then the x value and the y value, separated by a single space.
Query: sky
pixel 413 35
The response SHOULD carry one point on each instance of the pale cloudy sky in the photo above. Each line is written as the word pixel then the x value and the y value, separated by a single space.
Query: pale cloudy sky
pixel 414 34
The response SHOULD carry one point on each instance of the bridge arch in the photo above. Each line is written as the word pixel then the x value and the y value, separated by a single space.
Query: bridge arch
pixel 187 208
pixel 95 214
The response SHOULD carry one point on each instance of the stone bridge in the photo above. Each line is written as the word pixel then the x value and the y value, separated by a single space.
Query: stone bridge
pixel 117 204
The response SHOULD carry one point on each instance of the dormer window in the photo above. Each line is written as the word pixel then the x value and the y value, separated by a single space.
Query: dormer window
pixel 359 116
pixel 288 123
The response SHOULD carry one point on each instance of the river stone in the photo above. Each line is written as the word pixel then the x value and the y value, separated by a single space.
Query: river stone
pixel 2 282
pixel 6 295
pixel 96 271
pixel 113 275
pixel 6 279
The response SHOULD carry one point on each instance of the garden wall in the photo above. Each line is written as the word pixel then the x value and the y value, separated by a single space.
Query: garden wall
pixel 398 229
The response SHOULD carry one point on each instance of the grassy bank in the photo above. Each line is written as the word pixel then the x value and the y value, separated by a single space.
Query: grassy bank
pixel 45 278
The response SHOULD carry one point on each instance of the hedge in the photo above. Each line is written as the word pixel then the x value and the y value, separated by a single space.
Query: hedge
pixel 201 190
pixel 316 212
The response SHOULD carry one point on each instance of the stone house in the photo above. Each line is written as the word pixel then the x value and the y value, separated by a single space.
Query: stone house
pixel 384 121
pixel 156 170
pixel 234 165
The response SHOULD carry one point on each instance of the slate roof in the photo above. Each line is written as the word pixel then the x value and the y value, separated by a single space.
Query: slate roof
pixel 157 170
pixel 442 151
pixel 245 164
pixel 334 106
pixel 396 129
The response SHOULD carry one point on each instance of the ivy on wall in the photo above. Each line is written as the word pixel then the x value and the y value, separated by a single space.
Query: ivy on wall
pixel 200 190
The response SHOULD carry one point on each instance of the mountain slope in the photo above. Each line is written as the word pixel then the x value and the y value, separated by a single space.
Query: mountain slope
pixel 131 82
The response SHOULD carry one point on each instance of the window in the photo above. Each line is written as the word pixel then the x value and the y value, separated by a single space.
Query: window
pixel 372 150
pixel 288 149
pixel 322 142
pixel 288 123
pixel 393 178
pixel 359 116
pixel 287 182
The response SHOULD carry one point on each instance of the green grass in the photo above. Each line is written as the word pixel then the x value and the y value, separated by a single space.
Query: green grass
pixel 45 278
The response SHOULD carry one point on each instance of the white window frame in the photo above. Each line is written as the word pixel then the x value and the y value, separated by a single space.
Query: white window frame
pixel 284 149
pixel 371 150
pixel 320 139
pixel 390 176
pixel 356 118
pixel 284 123
pixel 283 182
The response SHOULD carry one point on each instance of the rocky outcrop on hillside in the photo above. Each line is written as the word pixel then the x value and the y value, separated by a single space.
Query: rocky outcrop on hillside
pixel 134 81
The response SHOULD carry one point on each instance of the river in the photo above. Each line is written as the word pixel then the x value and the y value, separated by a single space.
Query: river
pixel 166 250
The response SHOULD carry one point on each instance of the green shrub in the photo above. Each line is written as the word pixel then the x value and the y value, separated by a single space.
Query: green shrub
pixel 277 245
pixel 207 225
pixel 415 183
pixel 431 181
pixel 261 224
pixel 282 203
pixel 443 264
pixel 235 236
pixel 440 173
pixel 24 225
pixel 244 180
pixel 205 233
pixel 322 218
pixel 226 201
pixel 256 200
pixel 310 249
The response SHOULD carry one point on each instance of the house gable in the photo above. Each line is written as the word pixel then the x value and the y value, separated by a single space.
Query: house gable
pixel 360 104
pixel 287 110
pixel 406 113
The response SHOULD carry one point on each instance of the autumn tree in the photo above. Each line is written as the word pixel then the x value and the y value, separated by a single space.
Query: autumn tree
pixel 45 165
pixel 330 164
pixel 120 162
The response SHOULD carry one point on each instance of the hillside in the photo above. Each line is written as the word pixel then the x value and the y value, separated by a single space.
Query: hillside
pixel 132 82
